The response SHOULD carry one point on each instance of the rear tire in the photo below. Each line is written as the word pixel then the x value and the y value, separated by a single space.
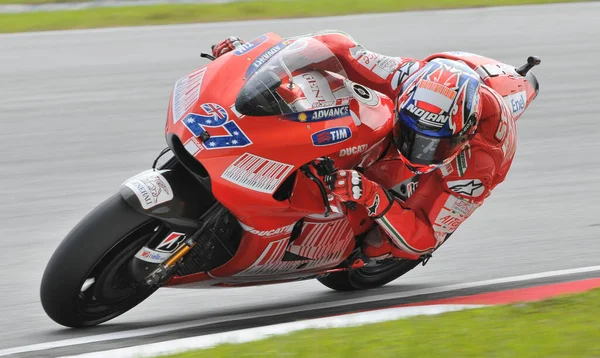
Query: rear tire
pixel 368 277
pixel 97 250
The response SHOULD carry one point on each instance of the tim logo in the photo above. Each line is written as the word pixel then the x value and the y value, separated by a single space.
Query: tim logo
pixel 331 136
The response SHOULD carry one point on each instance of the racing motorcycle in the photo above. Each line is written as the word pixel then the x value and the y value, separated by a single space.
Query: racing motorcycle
pixel 241 201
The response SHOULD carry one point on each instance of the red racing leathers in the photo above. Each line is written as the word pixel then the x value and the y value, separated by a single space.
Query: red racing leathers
pixel 436 203
pixel 425 209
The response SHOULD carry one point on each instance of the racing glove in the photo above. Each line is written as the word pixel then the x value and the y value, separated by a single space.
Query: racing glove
pixel 352 186
pixel 229 44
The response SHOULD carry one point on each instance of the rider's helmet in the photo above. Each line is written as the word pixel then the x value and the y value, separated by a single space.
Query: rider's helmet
pixel 436 114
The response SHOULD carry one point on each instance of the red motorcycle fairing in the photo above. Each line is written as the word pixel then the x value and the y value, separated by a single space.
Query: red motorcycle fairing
pixel 248 158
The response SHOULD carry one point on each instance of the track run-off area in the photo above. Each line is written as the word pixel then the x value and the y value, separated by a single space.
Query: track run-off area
pixel 81 111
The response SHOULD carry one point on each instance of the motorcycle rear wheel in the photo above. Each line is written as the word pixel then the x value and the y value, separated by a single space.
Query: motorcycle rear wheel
pixel 368 277
pixel 86 281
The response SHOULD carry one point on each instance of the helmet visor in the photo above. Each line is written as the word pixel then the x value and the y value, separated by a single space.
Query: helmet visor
pixel 421 149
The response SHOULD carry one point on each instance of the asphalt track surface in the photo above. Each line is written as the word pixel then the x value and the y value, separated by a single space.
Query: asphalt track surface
pixel 82 111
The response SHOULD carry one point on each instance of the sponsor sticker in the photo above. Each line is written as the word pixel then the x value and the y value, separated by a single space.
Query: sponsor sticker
pixel 368 59
pixel 517 103
pixel 249 46
pixel 152 256
pixel 406 188
pixel 331 136
pixel 186 93
pixel 257 173
pixel 353 150
pixel 454 212
pixel 380 65
pixel 318 115
pixel 411 188
pixel 269 233
pixel 362 94
pixel 463 207
pixel 171 242
pixel 426 117
pixel 266 56
pixel 385 66
pixel 320 244
pixel 316 89
pixel 467 187
pixel 449 221
pixel 151 188
pixel 193 146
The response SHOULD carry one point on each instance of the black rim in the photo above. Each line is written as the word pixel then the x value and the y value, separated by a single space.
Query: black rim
pixel 109 289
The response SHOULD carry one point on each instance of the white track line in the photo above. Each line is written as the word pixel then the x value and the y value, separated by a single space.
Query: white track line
pixel 254 334
pixel 310 307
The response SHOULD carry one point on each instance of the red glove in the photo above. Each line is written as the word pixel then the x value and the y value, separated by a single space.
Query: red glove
pixel 352 186
pixel 227 45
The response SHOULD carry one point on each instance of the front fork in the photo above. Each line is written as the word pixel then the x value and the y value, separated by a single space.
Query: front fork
pixel 185 208
pixel 201 237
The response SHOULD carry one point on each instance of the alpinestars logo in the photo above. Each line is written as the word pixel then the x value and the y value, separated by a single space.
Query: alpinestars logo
pixel 373 208
pixel 469 187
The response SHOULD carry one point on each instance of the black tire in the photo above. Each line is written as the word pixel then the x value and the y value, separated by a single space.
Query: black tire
pixel 368 277
pixel 99 246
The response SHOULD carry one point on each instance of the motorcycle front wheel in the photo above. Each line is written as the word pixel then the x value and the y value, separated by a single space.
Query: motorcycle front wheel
pixel 87 280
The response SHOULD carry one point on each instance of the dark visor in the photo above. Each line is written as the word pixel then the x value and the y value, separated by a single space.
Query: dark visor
pixel 421 149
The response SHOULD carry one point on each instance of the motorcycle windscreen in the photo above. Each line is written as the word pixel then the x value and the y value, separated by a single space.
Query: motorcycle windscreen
pixel 302 76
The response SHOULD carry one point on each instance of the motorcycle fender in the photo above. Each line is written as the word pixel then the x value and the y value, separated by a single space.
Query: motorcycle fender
pixel 173 196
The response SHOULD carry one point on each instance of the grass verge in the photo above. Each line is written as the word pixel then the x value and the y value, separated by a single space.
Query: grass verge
pixel 566 326
pixel 246 10
pixel 37 2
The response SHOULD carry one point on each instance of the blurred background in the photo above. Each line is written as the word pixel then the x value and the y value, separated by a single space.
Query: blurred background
pixel 81 111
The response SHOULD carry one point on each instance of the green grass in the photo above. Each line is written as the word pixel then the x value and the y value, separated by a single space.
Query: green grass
pixel 35 2
pixel 191 13
pixel 566 326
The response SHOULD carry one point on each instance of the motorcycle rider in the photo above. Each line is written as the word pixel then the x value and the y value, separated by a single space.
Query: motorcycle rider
pixel 455 134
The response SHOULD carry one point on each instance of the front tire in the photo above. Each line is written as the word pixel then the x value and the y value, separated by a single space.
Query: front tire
pixel 368 277
pixel 86 281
